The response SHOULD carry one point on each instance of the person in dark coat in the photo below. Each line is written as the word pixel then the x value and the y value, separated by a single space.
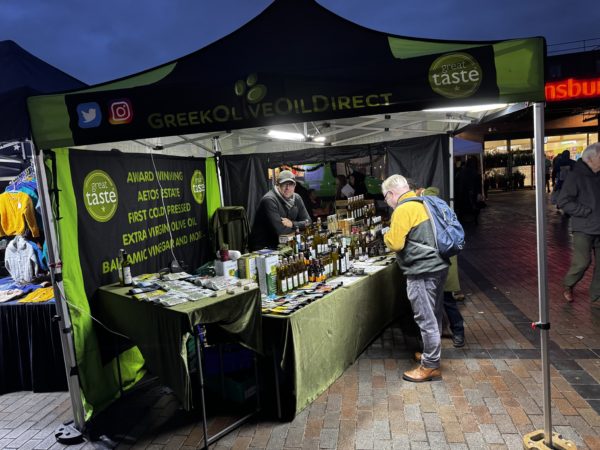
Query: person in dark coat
pixel 580 198
pixel 357 181
pixel 280 211
pixel 468 192
pixel 561 167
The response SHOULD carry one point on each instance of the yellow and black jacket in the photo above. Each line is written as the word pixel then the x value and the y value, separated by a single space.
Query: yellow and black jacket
pixel 411 237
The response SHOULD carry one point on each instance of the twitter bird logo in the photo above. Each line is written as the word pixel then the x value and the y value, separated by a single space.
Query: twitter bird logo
pixel 89 115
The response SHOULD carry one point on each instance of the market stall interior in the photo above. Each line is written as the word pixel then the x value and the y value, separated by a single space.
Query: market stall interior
pixel 146 160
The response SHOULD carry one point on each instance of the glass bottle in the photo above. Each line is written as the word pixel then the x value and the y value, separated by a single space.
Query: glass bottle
pixel 285 287
pixel 279 278
pixel 289 274
pixel 127 280
pixel 335 261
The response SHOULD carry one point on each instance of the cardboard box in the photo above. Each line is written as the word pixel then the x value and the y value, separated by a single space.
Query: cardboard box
pixel 226 268
pixel 266 266
pixel 240 387
pixel 247 267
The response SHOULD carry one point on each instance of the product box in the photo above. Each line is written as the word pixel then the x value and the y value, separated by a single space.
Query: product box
pixel 247 267
pixel 266 266
pixel 226 268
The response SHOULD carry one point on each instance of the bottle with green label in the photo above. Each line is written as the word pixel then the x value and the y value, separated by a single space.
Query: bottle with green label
pixel 125 275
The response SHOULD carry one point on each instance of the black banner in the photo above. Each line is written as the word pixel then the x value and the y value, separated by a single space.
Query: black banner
pixel 156 212
pixel 263 93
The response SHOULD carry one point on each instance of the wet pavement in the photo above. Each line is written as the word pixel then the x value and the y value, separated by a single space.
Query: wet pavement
pixel 489 397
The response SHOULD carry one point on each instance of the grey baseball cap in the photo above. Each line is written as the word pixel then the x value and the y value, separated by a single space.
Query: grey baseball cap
pixel 285 176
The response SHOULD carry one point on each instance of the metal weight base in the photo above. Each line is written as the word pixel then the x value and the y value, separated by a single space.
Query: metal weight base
pixel 535 441
pixel 67 434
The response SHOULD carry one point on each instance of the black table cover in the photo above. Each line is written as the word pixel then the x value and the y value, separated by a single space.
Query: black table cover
pixel 31 357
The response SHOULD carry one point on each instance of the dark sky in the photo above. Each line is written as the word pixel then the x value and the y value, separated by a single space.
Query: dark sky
pixel 107 39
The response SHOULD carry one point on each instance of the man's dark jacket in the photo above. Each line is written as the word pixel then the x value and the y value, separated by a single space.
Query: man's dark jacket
pixel 267 223
pixel 580 198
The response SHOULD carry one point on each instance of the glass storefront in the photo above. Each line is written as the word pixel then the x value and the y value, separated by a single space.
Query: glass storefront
pixel 508 164
pixel 575 143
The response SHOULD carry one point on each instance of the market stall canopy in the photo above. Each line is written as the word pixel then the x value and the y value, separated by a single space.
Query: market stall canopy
pixel 296 62
pixel 465 147
pixel 23 75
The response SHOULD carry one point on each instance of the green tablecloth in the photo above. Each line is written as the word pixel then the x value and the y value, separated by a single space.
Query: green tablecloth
pixel 317 343
pixel 161 333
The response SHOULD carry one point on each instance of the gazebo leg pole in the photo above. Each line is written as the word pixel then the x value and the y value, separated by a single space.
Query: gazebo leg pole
pixel 533 440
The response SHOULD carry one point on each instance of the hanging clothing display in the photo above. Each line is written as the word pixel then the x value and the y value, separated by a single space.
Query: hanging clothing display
pixel 17 212
pixel 20 260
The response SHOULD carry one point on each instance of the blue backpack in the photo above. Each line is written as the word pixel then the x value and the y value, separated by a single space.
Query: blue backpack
pixel 448 232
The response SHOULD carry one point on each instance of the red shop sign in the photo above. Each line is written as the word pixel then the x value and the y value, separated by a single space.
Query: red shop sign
pixel 572 89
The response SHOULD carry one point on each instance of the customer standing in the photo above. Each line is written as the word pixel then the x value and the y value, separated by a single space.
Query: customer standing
pixel 451 291
pixel 411 237
pixel 580 198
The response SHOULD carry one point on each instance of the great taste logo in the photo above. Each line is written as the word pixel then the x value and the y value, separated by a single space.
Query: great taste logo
pixel 100 196
pixel 457 75
pixel 198 186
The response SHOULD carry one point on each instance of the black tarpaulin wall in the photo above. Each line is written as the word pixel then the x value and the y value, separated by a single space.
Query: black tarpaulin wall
pixel 424 160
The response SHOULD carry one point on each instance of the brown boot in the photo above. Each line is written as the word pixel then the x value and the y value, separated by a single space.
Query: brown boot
pixel 458 296
pixel 568 294
pixel 418 356
pixel 421 374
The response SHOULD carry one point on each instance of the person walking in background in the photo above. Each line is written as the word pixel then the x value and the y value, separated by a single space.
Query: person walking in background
pixel 548 170
pixel 580 198
pixel 561 166
pixel 468 192
pixel 411 236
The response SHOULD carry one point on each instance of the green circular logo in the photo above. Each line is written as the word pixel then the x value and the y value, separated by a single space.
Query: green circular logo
pixel 198 186
pixel 457 75
pixel 100 196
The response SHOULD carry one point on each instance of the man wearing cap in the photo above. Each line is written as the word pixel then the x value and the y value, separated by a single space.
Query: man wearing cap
pixel 280 211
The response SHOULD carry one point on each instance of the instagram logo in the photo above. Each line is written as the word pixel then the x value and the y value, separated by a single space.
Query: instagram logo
pixel 120 112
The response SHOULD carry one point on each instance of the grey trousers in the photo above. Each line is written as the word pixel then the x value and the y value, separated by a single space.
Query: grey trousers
pixel 583 247
pixel 426 295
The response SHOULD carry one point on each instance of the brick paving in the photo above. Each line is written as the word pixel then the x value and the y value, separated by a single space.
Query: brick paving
pixel 489 397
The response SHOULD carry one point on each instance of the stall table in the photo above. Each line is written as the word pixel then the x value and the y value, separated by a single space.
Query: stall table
pixel 314 345
pixel 31 357
pixel 161 333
